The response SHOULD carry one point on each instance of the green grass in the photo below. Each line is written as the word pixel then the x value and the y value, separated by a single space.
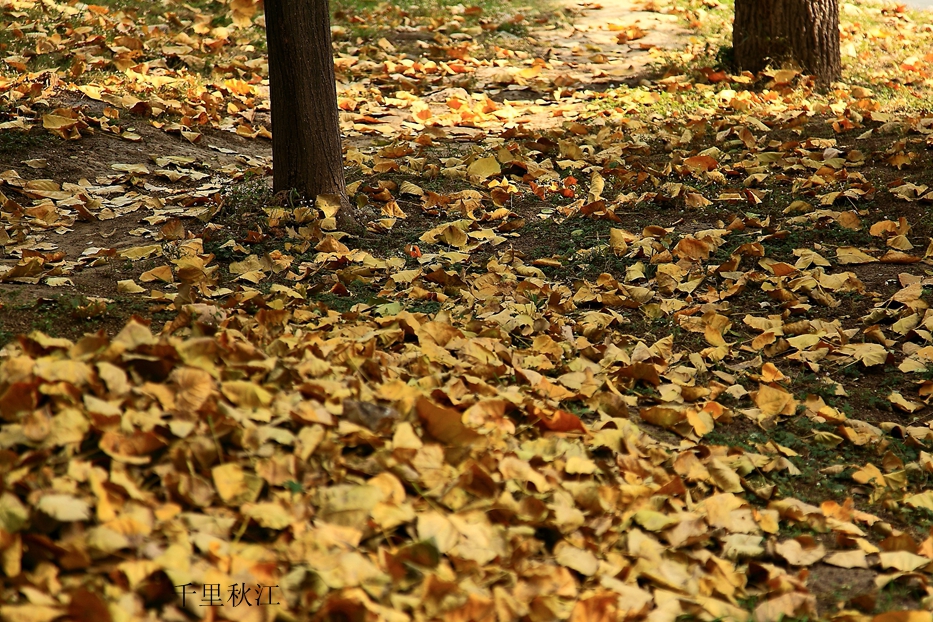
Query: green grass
pixel 23 143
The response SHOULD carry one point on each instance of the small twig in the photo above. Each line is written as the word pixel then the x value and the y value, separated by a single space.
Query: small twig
pixel 422 495
pixel 220 453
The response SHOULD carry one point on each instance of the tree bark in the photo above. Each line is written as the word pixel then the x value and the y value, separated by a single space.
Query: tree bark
pixel 775 31
pixel 306 150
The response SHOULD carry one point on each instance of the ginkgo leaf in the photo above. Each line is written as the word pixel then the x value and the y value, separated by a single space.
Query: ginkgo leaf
pixel 847 559
pixel 801 551
pixel 129 286
pixel 484 167
pixel 269 515
pixel 848 255
pixel 617 241
pixel 57 122
pixel 869 354
pixel 902 560
pixel 701 163
pixel 741 545
pixel 246 394
pixel 65 508
pixel 789 605
pixel 904 616
pixel 411 189
pixel 30 613
pixel 921 500
pixel 329 204
pixel 580 560
pixel 774 401
pixel 725 478
pixel 900 402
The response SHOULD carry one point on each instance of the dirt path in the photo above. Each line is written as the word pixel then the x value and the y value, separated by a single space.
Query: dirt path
pixel 608 42
pixel 590 47
pixel 110 195
pixel 598 46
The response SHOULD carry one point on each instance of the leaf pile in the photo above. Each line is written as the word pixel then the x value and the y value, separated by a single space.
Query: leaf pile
pixel 656 351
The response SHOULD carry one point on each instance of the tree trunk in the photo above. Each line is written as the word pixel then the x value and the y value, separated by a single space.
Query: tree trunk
pixel 802 31
pixel 306 151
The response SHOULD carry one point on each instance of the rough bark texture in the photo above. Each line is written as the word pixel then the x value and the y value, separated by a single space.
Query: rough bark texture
pixel 774 31
pixel 306 150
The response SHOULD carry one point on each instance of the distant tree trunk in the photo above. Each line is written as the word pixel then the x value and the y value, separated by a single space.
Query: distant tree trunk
pixel 306 151
pixel 774 31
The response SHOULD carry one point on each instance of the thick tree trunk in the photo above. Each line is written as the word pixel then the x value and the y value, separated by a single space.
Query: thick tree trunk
pixel 802 31
pixel 306 151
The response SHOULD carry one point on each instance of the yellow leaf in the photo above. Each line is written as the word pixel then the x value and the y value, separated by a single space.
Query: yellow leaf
pixel 246 394
pixel 454 236
pixel 789 605
pixel 702 163
pixel 902 560
pixel 63 370
pixel 617 241
pixel 802 551
pixel 129 287
pixel 269 514
pixel 580 560
pixel 578 465
pixel 695 199
pixel 159 273
pixel 597 185
pixel 444 424
pixel 513 468
pixel 484 168
pixel 663 416
pixel 869 474
pixel 229 479
pixel 785 76
pixel 329 204
pixel 826 439
pixel 701 421
pixel 691 248
pixel 30 613
pixel 773 401
pixel 409 188
pixel 450 234
pixel 242 12
pixel 64 508
pixel 135 169
pixel 234 485
pixel 330 244
pixel 903 403
pixel 141 252
pixel 725 478
pixel 742 545
pixel 654 521
pixel 921 500
pixel 348 505
pixel 850 255
pixel 904 616
pixel 56 122
pixel 847 559
pixel 869 354
pixel 436 528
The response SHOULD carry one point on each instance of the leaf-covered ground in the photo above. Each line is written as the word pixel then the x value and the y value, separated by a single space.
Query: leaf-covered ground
pixel 630 335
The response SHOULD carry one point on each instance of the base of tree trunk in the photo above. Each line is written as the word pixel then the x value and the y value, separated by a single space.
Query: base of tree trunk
pixel 307 154
pixel 772 32
pixel 348 218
